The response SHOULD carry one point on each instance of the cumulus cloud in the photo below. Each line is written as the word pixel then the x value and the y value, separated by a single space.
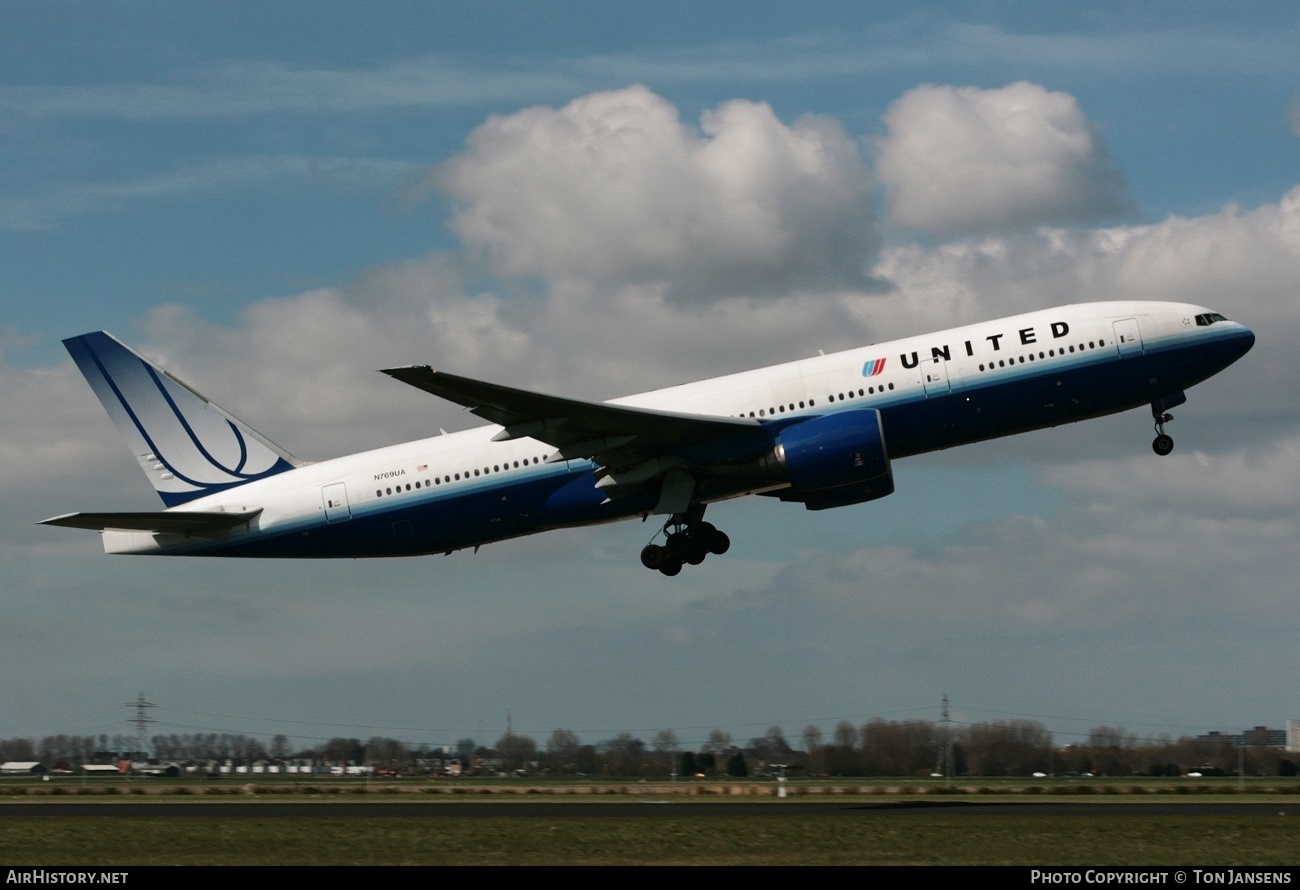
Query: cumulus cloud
pixel 615 188
pixel 1244 263
pixel 1257 482
pixel 1076 569
pixel 964 158
pixel 1092 575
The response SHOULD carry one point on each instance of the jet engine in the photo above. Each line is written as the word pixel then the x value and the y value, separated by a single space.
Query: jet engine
pixel 833 460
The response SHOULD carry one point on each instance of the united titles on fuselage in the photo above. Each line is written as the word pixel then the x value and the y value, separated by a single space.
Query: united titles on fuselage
pixel 1026 336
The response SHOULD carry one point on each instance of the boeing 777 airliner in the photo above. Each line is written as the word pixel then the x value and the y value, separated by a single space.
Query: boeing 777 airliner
pixel 821 432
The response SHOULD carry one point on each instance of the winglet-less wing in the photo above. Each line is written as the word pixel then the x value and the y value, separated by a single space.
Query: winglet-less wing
pixel 575 427
pixel 179 522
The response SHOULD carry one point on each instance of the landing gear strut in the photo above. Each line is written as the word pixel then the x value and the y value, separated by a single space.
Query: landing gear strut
pixel 1162 444
pixel 688 540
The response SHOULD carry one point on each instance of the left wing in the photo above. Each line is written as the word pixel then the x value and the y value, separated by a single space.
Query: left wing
pixel 630 445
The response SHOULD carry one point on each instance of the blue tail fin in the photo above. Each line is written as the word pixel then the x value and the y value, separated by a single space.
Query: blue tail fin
pixel 186 445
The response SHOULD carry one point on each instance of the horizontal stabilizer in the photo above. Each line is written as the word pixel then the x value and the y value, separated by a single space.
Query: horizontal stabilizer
pixel 175 522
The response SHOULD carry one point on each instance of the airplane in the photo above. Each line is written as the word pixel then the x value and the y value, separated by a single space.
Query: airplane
pixel 821 431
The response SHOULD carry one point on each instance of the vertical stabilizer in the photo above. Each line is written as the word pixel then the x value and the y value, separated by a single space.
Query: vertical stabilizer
pixel 187 445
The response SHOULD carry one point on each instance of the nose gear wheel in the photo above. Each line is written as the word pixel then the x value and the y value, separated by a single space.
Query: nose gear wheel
pixel 1162 444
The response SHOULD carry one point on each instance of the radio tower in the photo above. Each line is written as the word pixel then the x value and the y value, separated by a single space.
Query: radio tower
pixel 141 721
pixel 944 762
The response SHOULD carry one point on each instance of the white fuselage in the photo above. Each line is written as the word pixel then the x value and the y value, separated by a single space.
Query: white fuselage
pixel 933 391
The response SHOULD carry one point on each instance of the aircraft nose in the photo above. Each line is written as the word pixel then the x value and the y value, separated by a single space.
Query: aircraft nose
pixel 1245 340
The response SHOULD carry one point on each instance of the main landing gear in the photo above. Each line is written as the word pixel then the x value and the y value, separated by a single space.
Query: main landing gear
pixel 689 539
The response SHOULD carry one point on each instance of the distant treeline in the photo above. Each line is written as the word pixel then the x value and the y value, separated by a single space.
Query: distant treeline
pixel 877 748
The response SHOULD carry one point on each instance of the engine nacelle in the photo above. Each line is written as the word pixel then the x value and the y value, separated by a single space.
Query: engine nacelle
pixel 834 460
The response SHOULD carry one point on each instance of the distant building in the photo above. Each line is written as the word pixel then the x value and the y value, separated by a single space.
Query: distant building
pixel 1234 740
pixel 1258 737
pixel 1293 735
pixel 1263 737
pixel 160 770
pixel 23 768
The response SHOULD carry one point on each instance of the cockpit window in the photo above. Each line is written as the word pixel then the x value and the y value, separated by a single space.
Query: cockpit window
pixel 1208 318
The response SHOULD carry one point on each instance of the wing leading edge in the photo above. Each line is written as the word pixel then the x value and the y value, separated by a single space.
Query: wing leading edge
pixel 577 428
pixel 632 447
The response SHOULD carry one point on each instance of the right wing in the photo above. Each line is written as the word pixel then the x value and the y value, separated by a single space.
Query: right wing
pixel 577 428
pixel 631 446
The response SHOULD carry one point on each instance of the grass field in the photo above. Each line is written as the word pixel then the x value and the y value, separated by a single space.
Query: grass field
pixel 713 840
pixel 212 838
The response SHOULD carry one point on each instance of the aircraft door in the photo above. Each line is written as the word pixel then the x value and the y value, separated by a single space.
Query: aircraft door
pixel 1128 339
pixel 335 498
pixel 934 374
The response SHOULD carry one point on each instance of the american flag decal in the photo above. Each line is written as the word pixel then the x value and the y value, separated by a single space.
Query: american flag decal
pixel 873 367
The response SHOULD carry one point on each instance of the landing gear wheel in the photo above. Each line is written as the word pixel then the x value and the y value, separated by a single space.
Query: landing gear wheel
pixel 652 556
pixel 695 552
pixel 688 541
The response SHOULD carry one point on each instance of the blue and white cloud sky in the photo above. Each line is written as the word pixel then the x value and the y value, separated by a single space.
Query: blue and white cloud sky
pixel 596 198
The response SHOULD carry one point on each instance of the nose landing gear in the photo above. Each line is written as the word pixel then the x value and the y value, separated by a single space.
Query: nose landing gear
pixel 1162 444
pixel 689 539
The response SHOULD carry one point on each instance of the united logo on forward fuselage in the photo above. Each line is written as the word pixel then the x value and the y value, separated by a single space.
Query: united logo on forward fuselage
pixel 1027 337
